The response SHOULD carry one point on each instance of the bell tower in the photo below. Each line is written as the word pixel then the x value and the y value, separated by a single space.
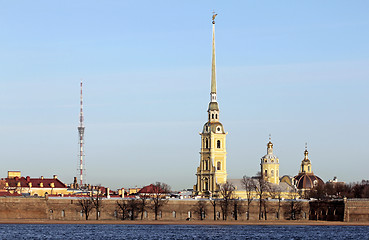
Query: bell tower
pixel 270 165
pixel 212 170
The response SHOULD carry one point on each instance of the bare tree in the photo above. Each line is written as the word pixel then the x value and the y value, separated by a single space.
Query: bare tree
pixel 158 197
pixel 214 204
pixel 248 185
pixel 260 187
pixel 123 207
pixel 226 192
pixel 200 209
pixel 293 210
pixel 86 206
pixel 143 202
pixel 97 203
pixel 275 192
pixel 237 208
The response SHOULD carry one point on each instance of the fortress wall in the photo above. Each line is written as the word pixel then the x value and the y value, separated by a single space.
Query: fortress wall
pixel 357 210
pixel 68 209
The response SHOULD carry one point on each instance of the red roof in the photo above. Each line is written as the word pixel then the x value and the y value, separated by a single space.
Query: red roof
pixel 24 182
pixel 8 194
pixel 151 189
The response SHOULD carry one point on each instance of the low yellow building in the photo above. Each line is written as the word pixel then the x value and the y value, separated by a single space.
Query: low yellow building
pixel 15 183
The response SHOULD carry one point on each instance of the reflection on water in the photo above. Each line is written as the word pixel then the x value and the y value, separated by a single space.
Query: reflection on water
pixel 75 231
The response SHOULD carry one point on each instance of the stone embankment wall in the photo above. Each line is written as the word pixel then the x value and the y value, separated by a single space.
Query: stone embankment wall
pixel 68 209
pixel 351 210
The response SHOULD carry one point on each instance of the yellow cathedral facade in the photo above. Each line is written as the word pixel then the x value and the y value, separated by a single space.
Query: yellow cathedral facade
pixel 212 171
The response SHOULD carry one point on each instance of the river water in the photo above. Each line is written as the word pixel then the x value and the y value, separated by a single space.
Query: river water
pixel 87 231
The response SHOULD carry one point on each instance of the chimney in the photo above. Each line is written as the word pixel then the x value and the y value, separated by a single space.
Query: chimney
pixel 55 176
pixel 42 177
pixel 28 178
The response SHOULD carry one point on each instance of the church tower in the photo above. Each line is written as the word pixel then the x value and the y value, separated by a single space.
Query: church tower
pixel 212 170
pixel 270 165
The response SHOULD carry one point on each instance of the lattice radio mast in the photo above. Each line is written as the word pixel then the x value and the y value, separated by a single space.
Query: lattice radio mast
pixel 81 131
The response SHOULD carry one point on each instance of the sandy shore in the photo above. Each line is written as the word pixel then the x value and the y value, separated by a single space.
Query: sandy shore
pixel 193 222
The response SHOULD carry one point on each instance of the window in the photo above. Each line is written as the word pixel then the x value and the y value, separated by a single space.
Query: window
pixel 145 214
pixel 216 116
pixel 115 214
pixel 218 144
pixel 309 168
pixel 174 214
pixel 218 129
pixel 272 172
pixel 212 115
pixel 206 143
pixel 189 214
pixel 206 163
pixel 63 213
pixel 266 172
pixel 160 214
pixel 206 185
pixel 219 166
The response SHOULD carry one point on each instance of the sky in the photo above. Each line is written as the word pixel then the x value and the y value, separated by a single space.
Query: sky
pixel 297 70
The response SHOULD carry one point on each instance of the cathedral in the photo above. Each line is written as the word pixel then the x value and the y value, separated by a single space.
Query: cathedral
pixel 212 171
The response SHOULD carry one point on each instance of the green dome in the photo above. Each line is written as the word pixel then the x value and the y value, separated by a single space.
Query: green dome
pixel 213 106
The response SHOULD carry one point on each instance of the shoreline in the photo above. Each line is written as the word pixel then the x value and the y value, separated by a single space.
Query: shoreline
pixel 179 222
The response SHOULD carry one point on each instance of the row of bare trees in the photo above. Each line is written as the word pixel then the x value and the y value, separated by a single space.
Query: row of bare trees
pixel 332 190
pixel 155 200
pixel 129 208
pixel 262 190
pixel 87 204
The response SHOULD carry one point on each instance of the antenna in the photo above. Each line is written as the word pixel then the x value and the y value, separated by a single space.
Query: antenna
pixel 270 137
pixel 306 146
pixel 81 131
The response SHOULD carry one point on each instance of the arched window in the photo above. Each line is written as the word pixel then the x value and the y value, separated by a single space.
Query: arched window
pixel 206 143
pixel 206 163
pixel 219 166
pixel 272 172
pixel 218 144
pixel 212 115
pixel 216 116
pixel 266 172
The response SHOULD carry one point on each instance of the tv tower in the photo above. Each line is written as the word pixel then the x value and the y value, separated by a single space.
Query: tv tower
pixel 81 131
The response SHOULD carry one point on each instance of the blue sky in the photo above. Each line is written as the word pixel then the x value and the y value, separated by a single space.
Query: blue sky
pixel 295 69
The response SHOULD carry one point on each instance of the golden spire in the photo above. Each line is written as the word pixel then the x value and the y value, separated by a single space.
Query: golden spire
pixel 306 152
pixel 213 76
